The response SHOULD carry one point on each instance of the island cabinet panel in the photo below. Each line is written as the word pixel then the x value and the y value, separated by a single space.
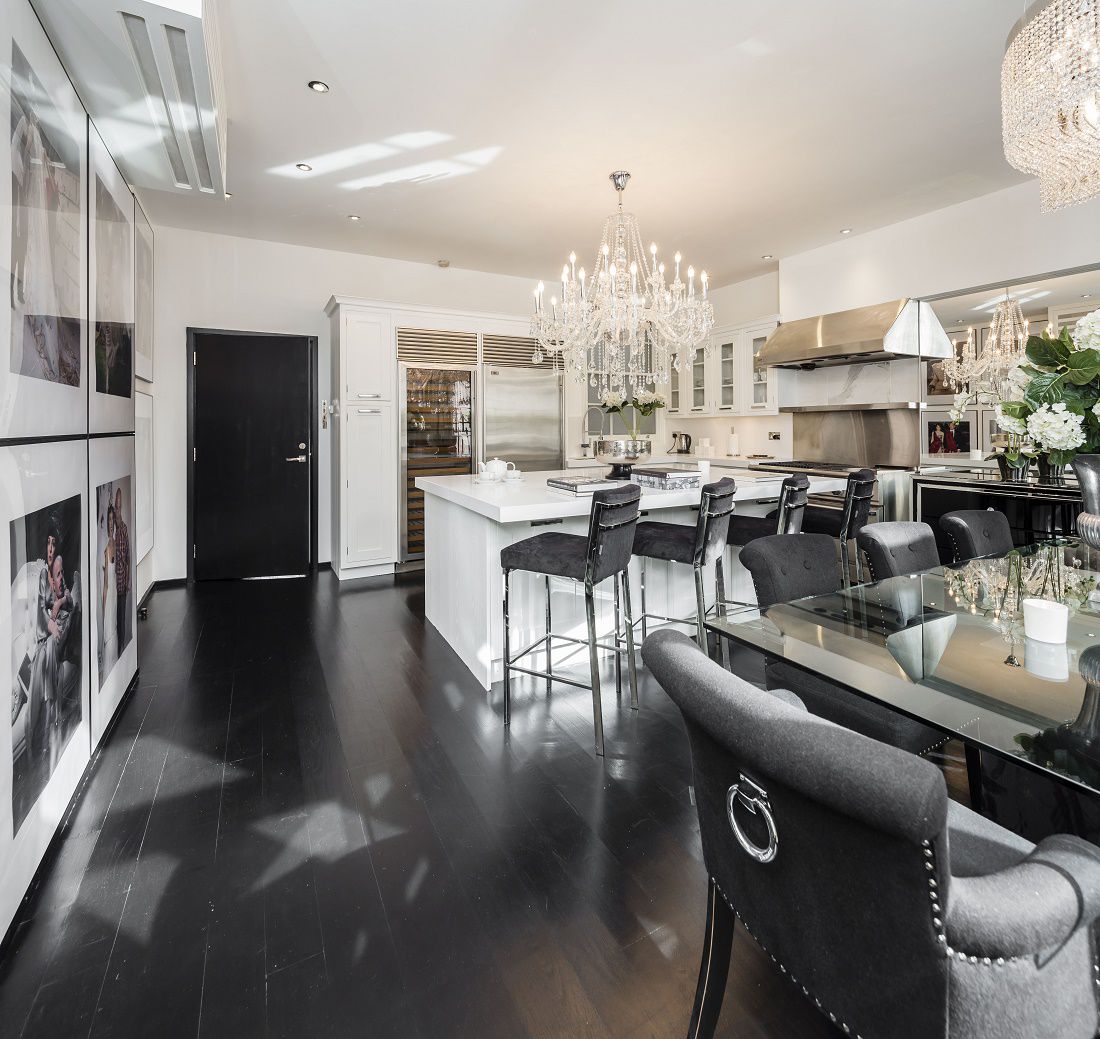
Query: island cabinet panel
pixel 1035 512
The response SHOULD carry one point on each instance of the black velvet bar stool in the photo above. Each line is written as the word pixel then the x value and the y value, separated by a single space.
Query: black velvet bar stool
pixel 787 518
pixel 603 553
pixel 695 546
pixel 846 523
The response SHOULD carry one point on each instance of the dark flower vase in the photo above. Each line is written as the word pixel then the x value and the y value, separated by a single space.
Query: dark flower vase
pixel 1012 473
pixel 1050 473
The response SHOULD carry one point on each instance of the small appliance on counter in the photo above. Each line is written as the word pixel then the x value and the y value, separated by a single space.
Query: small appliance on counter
pixel 681 444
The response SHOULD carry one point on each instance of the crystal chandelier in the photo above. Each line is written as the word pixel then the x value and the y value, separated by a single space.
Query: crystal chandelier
pixel 981 371
pixel 624 327
pixel 1050 100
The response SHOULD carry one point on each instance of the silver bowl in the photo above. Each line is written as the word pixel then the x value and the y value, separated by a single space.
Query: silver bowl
pixel 621 453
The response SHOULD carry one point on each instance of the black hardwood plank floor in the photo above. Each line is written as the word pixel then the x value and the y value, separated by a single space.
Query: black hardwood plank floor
pixel 309 821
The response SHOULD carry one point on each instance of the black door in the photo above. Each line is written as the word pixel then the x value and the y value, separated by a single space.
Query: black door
pixel 252 455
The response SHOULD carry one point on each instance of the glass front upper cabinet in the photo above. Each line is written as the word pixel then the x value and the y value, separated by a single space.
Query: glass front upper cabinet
pixel 698 382
pixel 674 391
pixel 727 383
pixel 759 372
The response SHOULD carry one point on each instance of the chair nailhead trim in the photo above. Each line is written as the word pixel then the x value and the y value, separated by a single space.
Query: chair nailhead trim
pixel 937 920
pixel 843 1025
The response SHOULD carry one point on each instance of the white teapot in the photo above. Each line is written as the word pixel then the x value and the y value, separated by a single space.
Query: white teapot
pixel 494 469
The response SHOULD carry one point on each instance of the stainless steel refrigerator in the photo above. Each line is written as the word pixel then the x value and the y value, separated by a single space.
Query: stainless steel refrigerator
pixel 522 417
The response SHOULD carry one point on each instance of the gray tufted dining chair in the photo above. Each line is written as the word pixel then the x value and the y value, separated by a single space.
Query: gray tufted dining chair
pixel 977 532
pixel 895 549
pixel 896 912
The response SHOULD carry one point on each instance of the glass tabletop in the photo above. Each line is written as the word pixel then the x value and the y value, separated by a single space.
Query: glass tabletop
pixel 947 647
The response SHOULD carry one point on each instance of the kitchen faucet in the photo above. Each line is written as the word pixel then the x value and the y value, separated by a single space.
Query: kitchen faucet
pixel 584 427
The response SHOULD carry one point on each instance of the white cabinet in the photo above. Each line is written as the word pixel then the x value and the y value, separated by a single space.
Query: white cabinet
pixel 759 382
pixel 369 501
pixel 368 352
pixel 363 429
pixel 731 382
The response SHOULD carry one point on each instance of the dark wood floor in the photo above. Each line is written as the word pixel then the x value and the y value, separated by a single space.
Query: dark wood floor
pixel 310 822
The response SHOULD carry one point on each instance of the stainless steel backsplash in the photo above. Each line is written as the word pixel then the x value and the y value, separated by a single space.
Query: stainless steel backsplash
pixel 859 437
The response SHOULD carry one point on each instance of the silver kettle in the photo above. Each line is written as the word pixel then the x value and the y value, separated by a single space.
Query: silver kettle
pixel 681 444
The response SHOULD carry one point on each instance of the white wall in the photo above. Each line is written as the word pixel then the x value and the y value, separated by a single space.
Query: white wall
pixel 998 238
pixel 746 301
pixel 243 284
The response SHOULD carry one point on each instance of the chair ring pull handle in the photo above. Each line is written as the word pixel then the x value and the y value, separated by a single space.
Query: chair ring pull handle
pixel 755 800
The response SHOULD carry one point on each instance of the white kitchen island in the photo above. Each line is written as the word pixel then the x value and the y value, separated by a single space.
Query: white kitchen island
pixel 467 523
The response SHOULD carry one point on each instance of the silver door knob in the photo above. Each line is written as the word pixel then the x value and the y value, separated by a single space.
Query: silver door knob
pixel 296 458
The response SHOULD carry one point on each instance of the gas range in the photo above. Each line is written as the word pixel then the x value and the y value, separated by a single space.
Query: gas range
pixel 799 465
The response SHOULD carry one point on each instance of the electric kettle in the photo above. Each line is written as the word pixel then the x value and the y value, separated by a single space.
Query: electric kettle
pixel 681 444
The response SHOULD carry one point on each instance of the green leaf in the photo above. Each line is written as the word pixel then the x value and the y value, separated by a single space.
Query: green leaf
pixel 1083 366
pixel 1046 352
pixel 1062 457
pixel 1016 409
pixel 1044 389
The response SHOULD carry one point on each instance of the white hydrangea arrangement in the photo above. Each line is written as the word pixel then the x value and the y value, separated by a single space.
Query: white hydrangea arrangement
pixel 1049 404
pixel 644 403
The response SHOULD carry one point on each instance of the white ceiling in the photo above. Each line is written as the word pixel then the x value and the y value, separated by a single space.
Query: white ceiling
pixel 1036 298
pixel 483 132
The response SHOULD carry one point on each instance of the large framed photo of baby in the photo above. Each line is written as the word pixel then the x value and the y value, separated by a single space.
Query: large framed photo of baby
pixel 114 613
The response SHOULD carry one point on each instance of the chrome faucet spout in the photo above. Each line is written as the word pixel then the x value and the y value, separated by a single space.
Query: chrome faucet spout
pixel 584 425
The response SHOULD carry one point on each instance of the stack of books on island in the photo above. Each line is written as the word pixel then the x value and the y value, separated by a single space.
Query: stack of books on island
pixel 582 484
pixel 675 476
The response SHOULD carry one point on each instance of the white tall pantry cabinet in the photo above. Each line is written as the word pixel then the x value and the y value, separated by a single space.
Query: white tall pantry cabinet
pixel 364 439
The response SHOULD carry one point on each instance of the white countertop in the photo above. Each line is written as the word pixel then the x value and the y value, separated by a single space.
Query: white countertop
pixel 530 498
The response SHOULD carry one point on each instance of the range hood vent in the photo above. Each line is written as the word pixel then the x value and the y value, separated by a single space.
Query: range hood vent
pixel 883 332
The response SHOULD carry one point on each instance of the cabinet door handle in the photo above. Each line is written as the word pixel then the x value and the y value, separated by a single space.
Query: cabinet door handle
pixel 369 411
pixel 368 396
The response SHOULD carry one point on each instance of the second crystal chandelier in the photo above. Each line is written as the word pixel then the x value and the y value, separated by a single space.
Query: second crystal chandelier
pixel 623 327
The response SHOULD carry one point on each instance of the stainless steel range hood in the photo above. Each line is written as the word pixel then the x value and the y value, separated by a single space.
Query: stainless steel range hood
pixel 884 332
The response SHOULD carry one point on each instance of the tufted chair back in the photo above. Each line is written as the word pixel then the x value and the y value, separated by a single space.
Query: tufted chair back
pixel 785 568
pixel 977 532
pixel 833 850
pixel 895 549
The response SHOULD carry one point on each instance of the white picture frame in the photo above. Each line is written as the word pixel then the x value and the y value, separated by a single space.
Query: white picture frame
pixel 110 476
pixel 143 448
pixel 43 493
pixel 111 295
pixel 43 237
pixel 144 259
pixel 964 436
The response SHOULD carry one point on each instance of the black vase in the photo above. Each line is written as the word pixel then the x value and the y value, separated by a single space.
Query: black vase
pixel 1012 473
pixel 1049 472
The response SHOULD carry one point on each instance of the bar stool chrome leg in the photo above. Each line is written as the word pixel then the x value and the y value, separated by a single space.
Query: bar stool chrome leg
pixel 720 607
pixel 549 638
pixel 701 610
pixel 618 629
pixel 594 666
pixel 629 617
pixel 507 654
pixel 641 574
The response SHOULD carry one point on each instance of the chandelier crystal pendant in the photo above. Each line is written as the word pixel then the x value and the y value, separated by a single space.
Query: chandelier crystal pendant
pixel 623 327
pixel 982 371
pixel 1050 99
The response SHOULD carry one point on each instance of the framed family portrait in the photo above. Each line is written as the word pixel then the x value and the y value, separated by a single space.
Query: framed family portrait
pixel 113 613
pixel 43 237
pixel 944 437
pixel 43 499
pixel 111 274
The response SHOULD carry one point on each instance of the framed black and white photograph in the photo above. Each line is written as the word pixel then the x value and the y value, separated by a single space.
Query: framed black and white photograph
pixel 43 509
pixel 114 614
pixel 944 436
pixel 111 271
pixel 143 295
pixel 43 237
pixel 143 492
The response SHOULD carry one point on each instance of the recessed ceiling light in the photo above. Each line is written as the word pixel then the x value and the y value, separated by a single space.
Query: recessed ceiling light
pixel 318 85
pixel 352 216
pixel 443 263
pixel 845 230
pixel 305 167
pixel 767 256
pixel 1086 295
pixel 229 194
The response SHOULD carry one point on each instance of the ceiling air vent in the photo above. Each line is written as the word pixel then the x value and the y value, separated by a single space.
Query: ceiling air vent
pixel 149 74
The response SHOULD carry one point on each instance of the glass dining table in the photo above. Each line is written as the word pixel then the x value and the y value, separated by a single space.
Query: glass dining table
pixel 947 647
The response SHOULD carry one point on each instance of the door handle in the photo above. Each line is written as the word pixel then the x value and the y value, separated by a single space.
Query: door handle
pixel 369 411
pixel 368 396
pixel 296 458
